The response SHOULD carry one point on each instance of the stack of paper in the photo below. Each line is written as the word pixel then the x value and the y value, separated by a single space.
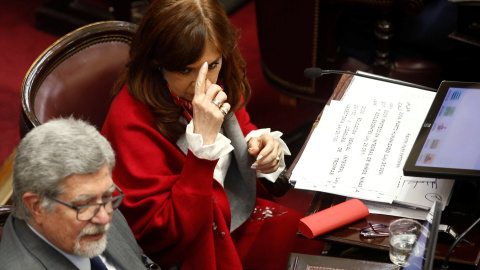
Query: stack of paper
pixel 360 145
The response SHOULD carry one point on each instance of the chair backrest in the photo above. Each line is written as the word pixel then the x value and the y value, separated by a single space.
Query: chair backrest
pixel 5 211
pixel 75 75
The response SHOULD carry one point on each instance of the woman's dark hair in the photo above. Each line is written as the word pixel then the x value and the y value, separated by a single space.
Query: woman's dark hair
pixel 173 35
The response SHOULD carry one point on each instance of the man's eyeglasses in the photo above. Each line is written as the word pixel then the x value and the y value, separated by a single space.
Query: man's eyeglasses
pixel 87 212
pixel 375 230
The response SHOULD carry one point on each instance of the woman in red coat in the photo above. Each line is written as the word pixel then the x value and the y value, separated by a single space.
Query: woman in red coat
pixel 188 156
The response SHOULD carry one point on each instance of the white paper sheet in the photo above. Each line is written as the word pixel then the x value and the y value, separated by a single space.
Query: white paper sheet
pixel 360 145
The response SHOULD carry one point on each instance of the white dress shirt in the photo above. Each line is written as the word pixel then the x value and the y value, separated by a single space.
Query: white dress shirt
pixel 82 263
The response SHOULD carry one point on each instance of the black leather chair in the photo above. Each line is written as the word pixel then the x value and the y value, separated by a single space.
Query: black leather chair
pixel 75 75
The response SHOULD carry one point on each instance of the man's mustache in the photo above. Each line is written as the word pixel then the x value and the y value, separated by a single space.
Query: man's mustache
pixel 94 229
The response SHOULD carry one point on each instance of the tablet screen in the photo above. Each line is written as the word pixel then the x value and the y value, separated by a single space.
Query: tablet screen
pixel 448 144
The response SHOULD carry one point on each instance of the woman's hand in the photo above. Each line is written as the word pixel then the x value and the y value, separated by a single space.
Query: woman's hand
pixel 208 116
pixel 267 153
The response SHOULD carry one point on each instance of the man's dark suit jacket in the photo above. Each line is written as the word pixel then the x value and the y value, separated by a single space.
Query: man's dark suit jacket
pixel 21 248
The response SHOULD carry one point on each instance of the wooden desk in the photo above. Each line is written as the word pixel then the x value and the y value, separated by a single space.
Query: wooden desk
pixel 310 262
pixel 340 241
pixel 464 256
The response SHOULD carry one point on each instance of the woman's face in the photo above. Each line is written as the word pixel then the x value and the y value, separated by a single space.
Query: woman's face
pixel 182 83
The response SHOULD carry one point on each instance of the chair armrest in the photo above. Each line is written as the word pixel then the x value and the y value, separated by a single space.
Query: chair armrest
pixel 5 211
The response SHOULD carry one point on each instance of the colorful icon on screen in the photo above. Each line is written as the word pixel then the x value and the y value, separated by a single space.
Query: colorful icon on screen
pixel 440 127
pixel 434 144
pixel 449 110
pixel 428 159
pixel 456 95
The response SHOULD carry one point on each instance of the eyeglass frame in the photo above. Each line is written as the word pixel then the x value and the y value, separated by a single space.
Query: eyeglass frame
pixel 372 230
pixel 78 208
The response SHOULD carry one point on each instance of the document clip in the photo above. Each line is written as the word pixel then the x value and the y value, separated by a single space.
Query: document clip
pixel 446 234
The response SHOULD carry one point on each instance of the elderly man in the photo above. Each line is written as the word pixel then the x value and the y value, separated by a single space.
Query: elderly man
pixel 64 204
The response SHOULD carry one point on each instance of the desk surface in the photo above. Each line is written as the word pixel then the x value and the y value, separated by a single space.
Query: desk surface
pixel 454 216
pixel 350 234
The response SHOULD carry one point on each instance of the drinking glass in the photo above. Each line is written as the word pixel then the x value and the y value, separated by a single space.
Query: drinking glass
pixel 403 234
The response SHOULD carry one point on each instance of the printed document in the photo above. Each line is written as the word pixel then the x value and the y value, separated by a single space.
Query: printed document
pixel 360 145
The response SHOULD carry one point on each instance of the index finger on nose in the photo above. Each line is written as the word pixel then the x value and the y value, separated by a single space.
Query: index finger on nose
pixel 200 83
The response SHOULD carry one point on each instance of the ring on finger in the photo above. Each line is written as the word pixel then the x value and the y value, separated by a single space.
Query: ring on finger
pixel 217 103
pixel 223 110
pixel 278 158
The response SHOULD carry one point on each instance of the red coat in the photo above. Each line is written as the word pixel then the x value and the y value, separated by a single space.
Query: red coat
pixel 178 212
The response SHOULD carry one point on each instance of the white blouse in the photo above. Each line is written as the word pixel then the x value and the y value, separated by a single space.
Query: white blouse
pixel 221 149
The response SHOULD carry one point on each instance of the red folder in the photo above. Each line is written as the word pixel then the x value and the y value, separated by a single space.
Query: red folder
pixel 332 218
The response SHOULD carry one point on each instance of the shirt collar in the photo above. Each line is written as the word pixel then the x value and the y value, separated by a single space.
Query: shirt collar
pixel 82 263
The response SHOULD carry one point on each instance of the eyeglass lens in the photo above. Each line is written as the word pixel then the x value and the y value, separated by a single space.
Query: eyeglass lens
pixel 87 212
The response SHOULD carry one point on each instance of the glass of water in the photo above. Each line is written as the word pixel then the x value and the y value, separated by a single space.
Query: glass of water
pixel 403 234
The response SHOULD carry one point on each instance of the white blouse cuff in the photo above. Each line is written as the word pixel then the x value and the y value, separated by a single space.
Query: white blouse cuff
pixel 272 177
pixel 218 149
